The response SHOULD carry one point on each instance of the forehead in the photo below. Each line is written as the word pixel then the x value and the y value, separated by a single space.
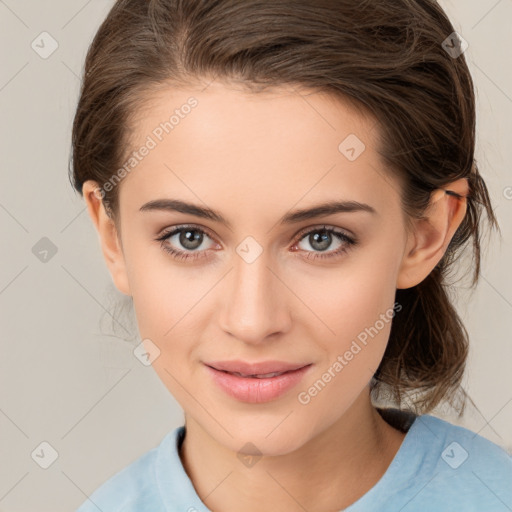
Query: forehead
pixel 227 146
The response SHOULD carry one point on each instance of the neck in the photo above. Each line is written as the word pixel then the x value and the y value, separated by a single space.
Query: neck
pixel 330 472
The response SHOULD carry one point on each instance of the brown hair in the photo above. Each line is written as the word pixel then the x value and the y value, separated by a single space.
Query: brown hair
pixel 385 57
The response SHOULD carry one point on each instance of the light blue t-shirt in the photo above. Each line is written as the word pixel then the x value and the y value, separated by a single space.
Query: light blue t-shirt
pixel 439 467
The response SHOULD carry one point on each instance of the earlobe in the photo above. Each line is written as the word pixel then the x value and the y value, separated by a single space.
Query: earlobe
pixel 109 240
pixel 432 234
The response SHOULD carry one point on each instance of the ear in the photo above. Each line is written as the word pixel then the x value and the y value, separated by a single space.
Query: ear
pixel 431 235
pixel 109 240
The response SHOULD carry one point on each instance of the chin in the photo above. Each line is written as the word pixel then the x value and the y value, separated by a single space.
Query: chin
pixel 254 438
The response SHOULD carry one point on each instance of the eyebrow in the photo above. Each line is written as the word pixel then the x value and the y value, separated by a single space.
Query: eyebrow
pixel 328 208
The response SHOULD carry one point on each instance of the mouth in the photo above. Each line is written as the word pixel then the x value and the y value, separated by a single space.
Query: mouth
pixel 256 382
pixel 263 368
pixel 258 376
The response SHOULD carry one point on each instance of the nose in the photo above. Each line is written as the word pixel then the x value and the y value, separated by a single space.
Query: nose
pixel 255 302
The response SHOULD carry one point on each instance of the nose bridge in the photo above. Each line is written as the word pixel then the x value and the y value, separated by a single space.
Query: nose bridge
pixel 255 305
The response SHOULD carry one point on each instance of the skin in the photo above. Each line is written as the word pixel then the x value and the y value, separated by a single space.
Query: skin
pixel 253 158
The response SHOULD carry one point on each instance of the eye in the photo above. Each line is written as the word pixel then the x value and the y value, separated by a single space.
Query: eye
pixel 190 238
pixel 320 239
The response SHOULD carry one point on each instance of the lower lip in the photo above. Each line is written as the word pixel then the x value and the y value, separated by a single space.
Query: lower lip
pixel 254 390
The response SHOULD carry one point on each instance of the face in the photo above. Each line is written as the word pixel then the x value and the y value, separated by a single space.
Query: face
pixel 256 281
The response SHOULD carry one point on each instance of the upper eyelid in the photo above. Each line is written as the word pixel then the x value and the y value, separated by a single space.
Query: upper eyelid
pixel 340 231
pixel 172 230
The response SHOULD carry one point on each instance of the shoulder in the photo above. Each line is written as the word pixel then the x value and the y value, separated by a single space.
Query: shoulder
pixel 133 488
pixel 462 467
pixel 464 447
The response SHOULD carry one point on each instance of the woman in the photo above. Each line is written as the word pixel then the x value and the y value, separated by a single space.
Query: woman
pixel 282 187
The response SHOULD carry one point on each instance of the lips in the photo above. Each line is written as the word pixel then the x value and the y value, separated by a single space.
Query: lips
pixel 256 382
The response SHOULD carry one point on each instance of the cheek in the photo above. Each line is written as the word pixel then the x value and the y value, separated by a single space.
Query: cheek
pixel 355 306
pixel 351 297
pixel 361 321
pixel 164 293
pixel 164 302
pixel 167 303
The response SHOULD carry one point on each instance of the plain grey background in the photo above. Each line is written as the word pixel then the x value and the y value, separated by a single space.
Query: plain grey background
pixel 67 377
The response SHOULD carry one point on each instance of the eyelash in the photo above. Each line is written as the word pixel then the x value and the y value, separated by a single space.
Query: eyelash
pixel 184 255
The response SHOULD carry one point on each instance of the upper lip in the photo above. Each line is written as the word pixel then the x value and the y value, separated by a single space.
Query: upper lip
pixel 257 368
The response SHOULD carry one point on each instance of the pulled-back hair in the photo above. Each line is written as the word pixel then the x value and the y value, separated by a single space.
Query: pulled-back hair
pixel 389 58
